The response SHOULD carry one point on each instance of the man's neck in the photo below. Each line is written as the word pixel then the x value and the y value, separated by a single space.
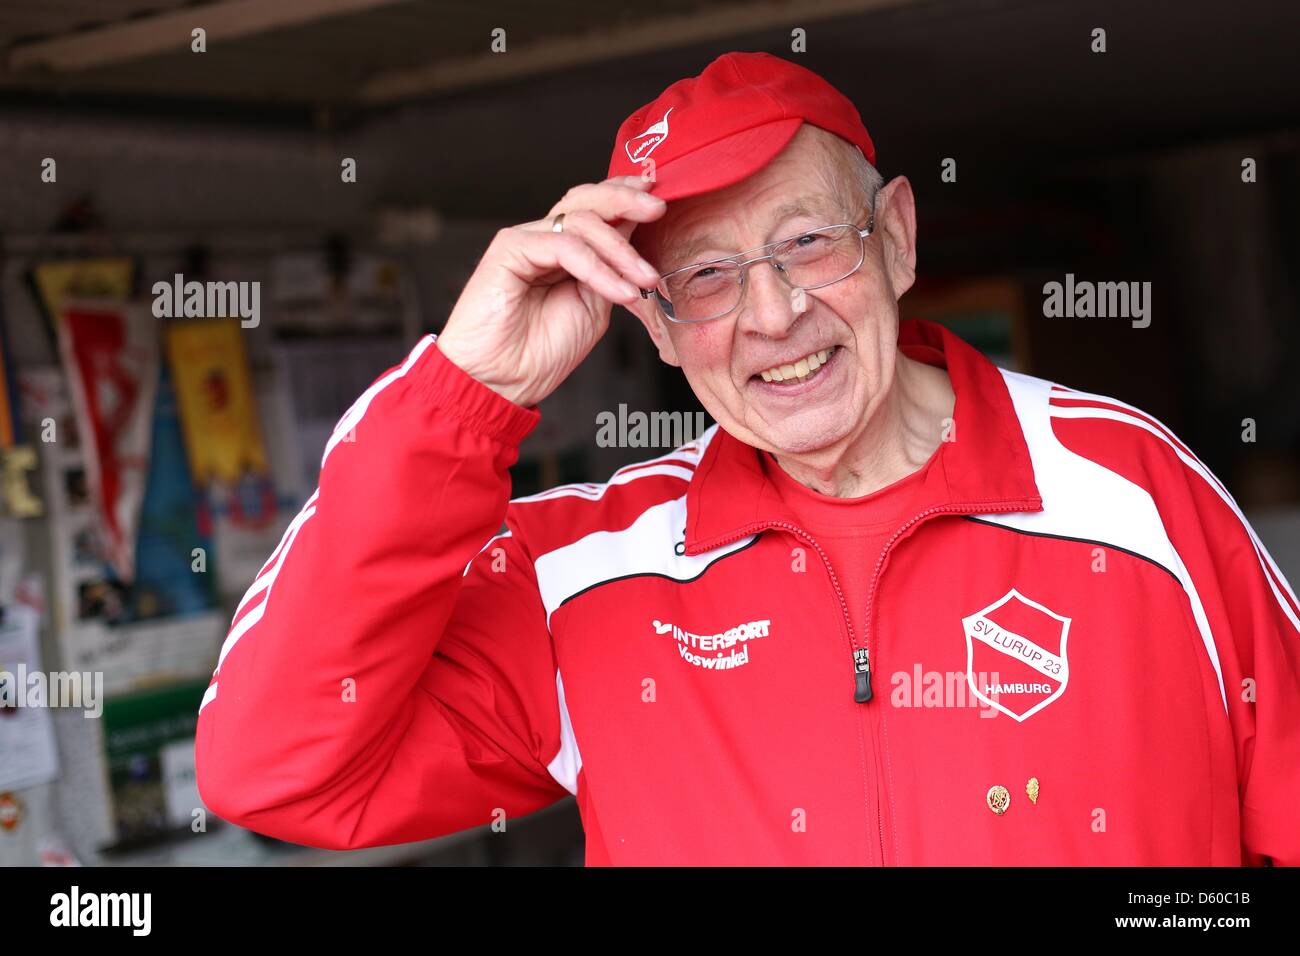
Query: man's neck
pixel 901 434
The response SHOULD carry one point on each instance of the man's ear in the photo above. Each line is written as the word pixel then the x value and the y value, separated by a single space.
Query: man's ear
pixel 647 310
pixel 896 222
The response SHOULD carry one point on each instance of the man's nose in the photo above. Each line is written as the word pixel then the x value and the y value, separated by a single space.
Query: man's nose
pixel 768 306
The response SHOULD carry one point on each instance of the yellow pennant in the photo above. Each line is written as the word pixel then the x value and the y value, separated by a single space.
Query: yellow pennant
pixel 214 392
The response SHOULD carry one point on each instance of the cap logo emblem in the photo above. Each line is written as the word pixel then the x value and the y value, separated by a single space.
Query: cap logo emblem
pixel 641 146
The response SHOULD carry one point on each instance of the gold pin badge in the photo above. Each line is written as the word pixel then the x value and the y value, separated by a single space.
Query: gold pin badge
pixel 998 799
pixel 1031 788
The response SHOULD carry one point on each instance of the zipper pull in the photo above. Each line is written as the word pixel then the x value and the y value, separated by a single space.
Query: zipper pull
pixel 861 676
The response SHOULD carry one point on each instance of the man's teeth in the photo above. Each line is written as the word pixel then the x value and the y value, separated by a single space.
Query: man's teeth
pixel 800 369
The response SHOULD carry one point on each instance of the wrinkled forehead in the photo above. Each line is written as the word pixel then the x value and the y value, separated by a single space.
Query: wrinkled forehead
pixel 702 232
pixel 811 180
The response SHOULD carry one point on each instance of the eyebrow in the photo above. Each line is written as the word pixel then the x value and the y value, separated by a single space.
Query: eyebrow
pixel 687 253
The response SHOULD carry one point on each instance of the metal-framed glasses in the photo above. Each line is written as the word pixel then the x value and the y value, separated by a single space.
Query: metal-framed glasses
pixel 704 291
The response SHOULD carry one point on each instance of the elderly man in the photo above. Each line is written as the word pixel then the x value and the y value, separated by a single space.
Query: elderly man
pixel 897 607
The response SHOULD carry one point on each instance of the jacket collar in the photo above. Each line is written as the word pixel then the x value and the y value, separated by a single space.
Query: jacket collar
pixel 987 468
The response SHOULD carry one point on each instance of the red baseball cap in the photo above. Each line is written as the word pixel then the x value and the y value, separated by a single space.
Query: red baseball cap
pixel 709 131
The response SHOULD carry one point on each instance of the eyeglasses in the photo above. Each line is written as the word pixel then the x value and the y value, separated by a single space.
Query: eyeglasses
pixel 704 291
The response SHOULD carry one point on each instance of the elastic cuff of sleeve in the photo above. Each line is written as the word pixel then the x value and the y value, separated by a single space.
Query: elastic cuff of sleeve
pixel 450 387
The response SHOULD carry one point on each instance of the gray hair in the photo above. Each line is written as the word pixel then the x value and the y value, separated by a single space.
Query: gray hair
pixel 868 176
pixel 847 172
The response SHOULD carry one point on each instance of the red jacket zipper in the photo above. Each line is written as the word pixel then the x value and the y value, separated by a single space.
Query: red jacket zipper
pixel 861 657
pixel 969 508
pixel 862 692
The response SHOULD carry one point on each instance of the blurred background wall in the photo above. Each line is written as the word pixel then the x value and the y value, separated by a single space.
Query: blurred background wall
pixel 1173 157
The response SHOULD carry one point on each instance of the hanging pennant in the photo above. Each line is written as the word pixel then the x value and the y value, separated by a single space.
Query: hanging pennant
pixel 17 462
pixel 60 281
pixel 214 390
pixel 110 356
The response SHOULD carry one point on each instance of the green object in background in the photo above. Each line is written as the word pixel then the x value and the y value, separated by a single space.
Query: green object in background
pixel 149 746
pixel 990 332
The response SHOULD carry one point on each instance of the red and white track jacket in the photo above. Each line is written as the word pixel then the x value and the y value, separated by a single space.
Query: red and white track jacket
pixel 1079 611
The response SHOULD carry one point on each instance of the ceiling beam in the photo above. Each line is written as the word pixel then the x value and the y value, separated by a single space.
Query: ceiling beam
pixel 170 31
pixel 643 36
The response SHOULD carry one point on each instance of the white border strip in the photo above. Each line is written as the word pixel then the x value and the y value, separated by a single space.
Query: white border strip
pixel 567 763
pixel 1261 553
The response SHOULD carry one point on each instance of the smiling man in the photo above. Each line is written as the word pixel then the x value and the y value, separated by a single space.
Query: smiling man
pixel 898 607
pixel 815 378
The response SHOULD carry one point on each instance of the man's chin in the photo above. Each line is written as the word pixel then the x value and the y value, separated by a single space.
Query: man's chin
pixel 805 434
